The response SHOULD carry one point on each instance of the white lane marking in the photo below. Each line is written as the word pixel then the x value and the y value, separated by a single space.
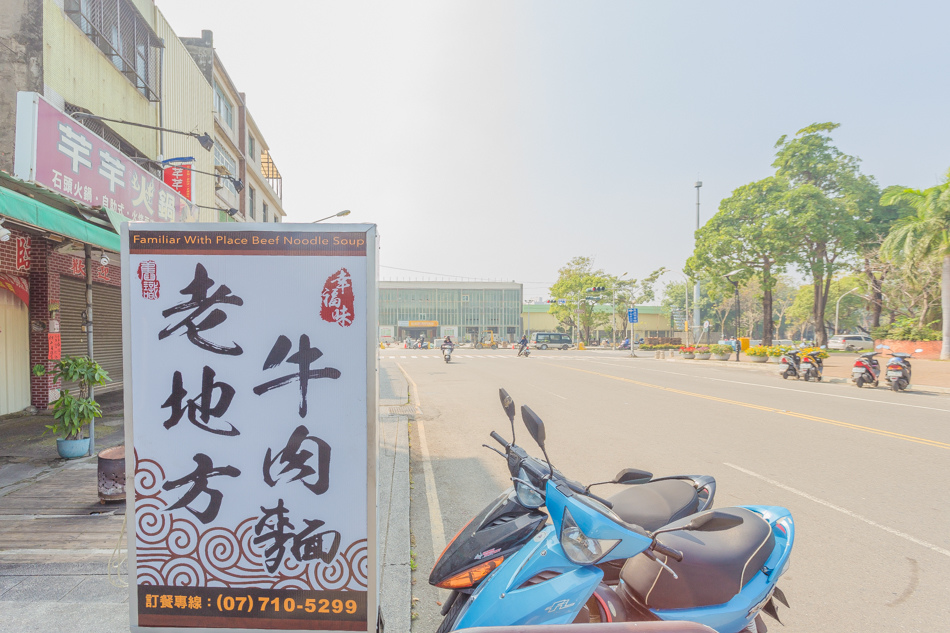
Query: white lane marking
pixel 805 391
pixel 851 514
pixel 432 496
pixel 549 392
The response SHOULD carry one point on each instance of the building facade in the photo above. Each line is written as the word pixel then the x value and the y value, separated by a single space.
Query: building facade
pixel 466 311
pixel 75 75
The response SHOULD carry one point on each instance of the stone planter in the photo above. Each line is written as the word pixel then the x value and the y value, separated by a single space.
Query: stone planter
pixel 703 356
pixel 758 359
pixel 721 356
pixel 774 359
pixel 688 355
pixel 71 449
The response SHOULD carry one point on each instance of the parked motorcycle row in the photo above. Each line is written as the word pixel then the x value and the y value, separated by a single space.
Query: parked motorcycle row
pixel 866 369
pixel 549 551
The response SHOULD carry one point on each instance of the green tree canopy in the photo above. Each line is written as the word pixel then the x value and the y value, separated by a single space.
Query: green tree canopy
pixel 750 233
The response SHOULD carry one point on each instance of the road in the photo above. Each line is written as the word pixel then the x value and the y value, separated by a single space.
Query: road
pixel 863 472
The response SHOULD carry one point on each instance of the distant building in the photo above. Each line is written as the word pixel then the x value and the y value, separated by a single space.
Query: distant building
pixel 466 311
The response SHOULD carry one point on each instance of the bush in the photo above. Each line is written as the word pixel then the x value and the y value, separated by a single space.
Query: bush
pixel 703 350
pixel 906 329
pixel 757 350
pixel 660 347
pixel 777 350
pixel 721 349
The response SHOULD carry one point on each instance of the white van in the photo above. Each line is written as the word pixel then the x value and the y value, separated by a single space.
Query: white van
pixel 544 340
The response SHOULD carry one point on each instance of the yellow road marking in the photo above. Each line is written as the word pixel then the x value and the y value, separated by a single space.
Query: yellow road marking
pixel 749 405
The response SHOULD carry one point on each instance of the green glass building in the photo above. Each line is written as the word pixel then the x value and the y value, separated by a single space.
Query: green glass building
pixel 466 311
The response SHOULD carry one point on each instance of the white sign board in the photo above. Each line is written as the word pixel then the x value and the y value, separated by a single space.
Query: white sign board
pixel 251 422
pixel 450 330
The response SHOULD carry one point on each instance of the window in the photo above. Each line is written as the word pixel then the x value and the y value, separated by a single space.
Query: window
pixel 264 212
pixel 251 195
pixel 222 105
pixel 251 148
pixel 119 31
pixel 225 160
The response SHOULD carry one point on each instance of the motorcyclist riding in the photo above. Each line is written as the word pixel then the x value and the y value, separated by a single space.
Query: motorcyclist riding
pixel 523 343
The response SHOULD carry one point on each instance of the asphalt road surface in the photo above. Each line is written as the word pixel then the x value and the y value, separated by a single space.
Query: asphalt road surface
pixel 863 472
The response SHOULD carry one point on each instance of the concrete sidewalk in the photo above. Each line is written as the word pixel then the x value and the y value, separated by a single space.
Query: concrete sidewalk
pixel 929 375
pixel 56 539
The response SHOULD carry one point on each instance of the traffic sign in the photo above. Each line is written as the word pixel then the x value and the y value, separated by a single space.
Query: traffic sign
pixel 562 302
pixel 633 315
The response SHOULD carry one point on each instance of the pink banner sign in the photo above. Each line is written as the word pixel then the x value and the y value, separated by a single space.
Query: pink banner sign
pixel 56 151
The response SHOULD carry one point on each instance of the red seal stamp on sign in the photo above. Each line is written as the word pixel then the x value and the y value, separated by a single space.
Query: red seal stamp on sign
pixel 148 273
pixel 337 299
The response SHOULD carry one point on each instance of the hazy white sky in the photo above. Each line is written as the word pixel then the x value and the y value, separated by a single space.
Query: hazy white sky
pixel 496 140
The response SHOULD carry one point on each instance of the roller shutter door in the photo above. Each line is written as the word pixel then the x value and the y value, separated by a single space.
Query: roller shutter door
pixel 107 332
pixel 14 354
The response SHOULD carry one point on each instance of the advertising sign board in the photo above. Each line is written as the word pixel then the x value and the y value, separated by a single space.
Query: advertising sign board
pixel 58 152
pixel 251 421
pixel 178 177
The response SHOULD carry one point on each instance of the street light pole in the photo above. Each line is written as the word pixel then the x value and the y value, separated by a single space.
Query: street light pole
pixel 613 311
pixel 335 215
pixel 838 305
pixel 696 289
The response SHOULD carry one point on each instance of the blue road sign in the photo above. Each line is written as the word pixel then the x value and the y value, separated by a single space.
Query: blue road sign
pixel 633 315
pixel 562 302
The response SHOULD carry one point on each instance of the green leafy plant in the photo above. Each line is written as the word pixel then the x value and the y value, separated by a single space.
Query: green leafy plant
pixel 777 350
pixel 721 349
pixel 758 350
pixel 906 329
pixel 72 413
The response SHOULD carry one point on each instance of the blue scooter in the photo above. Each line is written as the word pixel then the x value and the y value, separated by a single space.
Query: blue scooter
pixel 719 568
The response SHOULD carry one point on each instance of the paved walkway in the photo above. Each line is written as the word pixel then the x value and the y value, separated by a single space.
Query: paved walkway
pixel 56 539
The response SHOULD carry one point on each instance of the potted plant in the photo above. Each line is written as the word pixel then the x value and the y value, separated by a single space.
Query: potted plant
pixel 775 353
pixel 758 353
pixel 688 351
pixel 720 352
pixel 72 413
pixel 703 353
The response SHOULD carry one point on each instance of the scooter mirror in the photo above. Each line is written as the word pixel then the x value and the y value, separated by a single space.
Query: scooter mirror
pixel 918 350
pixel 507 404
pixel 632 476
pixel 881 346
pixel 534 425
pixel 824 347
pixel 886 346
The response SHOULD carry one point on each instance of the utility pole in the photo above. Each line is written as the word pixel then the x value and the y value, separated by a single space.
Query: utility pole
pixel 696 316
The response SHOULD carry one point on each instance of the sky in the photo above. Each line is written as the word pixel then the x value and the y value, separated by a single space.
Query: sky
pixel 496 140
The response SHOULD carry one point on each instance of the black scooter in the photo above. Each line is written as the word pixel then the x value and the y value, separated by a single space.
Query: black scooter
pixel 515 516
pixel 898 369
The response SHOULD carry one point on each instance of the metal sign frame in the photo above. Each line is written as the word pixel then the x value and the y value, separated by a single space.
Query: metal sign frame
pixel 370 562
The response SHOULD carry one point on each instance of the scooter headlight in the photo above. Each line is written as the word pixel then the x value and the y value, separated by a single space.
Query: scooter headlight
pixel 581 548
pixel 527 496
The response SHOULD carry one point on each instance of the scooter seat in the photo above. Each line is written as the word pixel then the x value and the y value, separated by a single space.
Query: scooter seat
pixel 716 565
pixel 655 504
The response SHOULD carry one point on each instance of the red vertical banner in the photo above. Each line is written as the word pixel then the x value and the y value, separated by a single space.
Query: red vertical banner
pixel 55 346
pixel 179 179
pixel 23 247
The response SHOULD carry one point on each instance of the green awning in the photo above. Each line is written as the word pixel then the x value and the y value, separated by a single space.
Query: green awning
pixel 38 215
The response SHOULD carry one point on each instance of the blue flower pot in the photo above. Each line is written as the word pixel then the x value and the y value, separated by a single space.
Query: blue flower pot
pixel 71 449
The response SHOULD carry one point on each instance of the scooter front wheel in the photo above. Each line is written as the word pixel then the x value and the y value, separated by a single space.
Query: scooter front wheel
pixel 450 619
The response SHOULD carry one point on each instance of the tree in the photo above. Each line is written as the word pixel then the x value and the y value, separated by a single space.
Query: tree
pixel 573 282
pixel 925 234
pixel 829 204
pixel 749 233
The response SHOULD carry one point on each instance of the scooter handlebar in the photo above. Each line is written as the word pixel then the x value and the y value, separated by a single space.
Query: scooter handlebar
pixel 675 554
pixel 499 439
